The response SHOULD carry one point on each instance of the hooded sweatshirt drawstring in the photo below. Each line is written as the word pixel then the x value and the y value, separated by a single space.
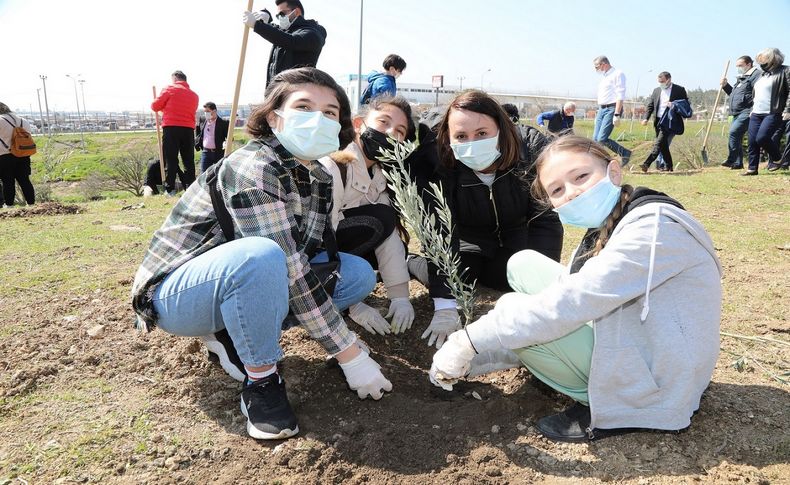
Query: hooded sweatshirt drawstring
pixel 646 306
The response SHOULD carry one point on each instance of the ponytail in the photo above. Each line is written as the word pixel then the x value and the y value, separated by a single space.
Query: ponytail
pixel 608 226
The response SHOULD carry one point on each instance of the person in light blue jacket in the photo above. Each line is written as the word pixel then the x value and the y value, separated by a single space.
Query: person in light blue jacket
pixel 630 330
pixel 383 83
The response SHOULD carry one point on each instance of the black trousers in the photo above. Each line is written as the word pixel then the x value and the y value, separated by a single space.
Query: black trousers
pixel 660 146
pixel 175 140
pixel 363 229
pixel 15 170
pixel 489 272
pixel 153 176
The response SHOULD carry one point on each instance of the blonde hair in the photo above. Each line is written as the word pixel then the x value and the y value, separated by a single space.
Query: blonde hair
pixel 579 144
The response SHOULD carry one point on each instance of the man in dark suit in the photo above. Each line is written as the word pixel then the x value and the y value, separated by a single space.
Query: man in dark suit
pixel 210 134
pixel 660 104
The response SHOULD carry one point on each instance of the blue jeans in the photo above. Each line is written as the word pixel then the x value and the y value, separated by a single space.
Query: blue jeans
pixel 242 286
pixel 761 130
pixel 604 124
pixel 208 159
pixel 740 123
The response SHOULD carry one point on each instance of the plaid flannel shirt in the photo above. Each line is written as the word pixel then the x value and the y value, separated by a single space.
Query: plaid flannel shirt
pixel 268 193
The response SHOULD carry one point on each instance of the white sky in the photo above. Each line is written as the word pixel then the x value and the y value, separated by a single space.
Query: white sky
pixel 121 49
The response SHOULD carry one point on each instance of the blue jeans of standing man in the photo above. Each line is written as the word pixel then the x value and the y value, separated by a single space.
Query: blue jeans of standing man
pixel 740 123
pixel 604 124
pixel 761 130
pixel 242 286
pixel 209 158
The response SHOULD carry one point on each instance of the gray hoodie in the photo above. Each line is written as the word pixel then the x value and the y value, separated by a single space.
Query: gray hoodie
pixel 654 296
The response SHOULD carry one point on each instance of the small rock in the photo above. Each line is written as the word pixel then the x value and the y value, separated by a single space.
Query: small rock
pixel 96 331
pixel 521 427
pixel 158 463
pixel 493 471
pixel 476 396
pixel 512 446
pixel 495 429
pixel 278 448
pixel 172 463
pixel 532 451
pixel 452 458
pixel 73 350
pixel 70 318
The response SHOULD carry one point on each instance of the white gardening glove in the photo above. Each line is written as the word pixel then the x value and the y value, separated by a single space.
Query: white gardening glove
pixel 493 360
pixel 249 19
pixel 369 318
pixel 443 323
pixel 452 361
pixel 402 314
pixel 263 15
pixel 615 120
pixel 785 116
pixel 364 375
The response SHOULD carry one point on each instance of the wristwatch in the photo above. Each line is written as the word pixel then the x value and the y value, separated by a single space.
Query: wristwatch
pixel 619 115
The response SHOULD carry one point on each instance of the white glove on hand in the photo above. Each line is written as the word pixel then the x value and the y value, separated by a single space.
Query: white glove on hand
pixel 402 314
pixel 364 375
pixel 443 323
pixel 369 318
pixel 249 19
pixel 615 120
pixel 785 116
pixel 452 361
pixel 263 15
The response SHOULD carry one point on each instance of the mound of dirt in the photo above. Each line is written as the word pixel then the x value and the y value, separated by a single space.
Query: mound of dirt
pixel 45 209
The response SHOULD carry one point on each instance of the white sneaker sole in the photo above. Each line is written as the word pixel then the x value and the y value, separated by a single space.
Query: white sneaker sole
pixel 262 435
pixel 216 348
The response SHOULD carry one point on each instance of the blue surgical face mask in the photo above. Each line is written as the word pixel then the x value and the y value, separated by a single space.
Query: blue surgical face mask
pixel 308 135
pixel 591 208
pixel 741 70
pixel 477 155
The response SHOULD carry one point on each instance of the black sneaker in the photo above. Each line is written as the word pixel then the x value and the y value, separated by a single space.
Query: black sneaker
pixel 221 350
pixel 265 404
pixel 573 425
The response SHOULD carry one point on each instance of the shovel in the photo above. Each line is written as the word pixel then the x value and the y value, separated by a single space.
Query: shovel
pixel 159 139
pixel 710 121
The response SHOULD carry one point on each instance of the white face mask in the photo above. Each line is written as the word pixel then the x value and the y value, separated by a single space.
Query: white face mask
pixel 663 85
pixel 479 154
pixel 284 21
pixel 741 70
pixel 208 115
pixel 308 135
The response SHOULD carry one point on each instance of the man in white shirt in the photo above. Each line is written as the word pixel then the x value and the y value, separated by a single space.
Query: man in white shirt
pixel 611 93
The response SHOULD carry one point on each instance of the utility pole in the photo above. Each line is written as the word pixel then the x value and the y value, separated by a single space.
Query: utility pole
pixel 79 117
pixel 46 103
pixel 359 65
pixel 40 113
pixel 461 83
pixel 82 89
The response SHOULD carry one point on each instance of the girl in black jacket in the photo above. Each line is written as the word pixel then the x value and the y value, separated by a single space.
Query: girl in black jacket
pixel 485 170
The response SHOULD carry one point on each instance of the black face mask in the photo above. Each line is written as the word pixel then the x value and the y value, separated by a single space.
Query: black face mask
pixel 765 67
pixel 371 141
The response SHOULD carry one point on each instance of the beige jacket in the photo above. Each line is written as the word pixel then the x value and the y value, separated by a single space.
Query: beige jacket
pixel 360 189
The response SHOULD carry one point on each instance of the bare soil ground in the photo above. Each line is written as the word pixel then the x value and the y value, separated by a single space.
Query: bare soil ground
pixel 87 399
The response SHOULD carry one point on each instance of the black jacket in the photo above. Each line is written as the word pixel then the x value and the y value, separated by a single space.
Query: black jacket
pixel 220 133
pixel 299 46
pixel 676 92
pixel 507 218
pixel 742 94
pixel 556 121
pixel 780 101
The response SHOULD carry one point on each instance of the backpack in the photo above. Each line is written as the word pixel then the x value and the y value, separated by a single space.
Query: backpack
pixel 22 144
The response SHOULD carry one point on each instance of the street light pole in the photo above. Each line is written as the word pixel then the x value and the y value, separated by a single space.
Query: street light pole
pixel 46 103
pixel 359 65
pixel 481 77
pixel 461 83
pixel 79 117
pixel 636 97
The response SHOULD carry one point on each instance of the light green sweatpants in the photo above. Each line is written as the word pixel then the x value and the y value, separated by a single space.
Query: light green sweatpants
pixel 563 364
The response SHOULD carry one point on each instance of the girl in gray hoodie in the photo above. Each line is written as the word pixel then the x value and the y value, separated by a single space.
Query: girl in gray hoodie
pixel 629 330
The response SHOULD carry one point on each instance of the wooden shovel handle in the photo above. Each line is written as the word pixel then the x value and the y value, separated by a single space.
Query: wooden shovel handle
pixel 159 139
pixel 239 73
pixel 715 105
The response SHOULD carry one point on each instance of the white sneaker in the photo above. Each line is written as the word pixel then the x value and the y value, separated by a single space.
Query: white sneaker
pixel 418 267
pixel 147 191
pixel 221 350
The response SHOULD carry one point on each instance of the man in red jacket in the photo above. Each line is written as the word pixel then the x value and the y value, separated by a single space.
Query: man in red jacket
pixel 178 104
